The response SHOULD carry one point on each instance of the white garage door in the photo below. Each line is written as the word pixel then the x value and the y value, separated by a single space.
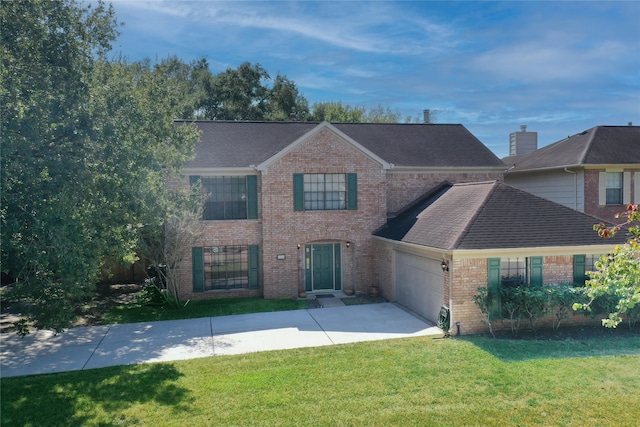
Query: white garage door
pixel 419 284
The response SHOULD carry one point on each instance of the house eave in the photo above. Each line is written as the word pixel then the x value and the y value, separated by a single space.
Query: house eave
pixel 446 169
pixel 249 170
pixel 503 252
pixel 533 251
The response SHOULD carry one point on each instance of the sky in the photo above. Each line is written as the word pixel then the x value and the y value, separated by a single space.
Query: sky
pixel 559 67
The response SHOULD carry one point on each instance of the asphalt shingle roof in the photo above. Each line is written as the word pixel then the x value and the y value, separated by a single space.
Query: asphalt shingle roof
pixel 493 215
pixel 600 145
pixel 242 144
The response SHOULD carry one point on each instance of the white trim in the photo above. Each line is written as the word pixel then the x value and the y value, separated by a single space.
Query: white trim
pixel 324 125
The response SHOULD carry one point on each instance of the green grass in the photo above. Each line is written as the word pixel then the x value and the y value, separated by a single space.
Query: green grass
pixel 130 313
pixel 405 382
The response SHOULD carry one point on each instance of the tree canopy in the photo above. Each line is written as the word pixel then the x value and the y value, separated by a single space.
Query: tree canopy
pixel 618 274
pixel 88 145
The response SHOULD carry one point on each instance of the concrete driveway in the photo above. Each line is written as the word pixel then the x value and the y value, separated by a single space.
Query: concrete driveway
pixel 109 345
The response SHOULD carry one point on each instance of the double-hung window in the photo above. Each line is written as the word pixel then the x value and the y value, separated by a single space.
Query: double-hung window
pixel 228 197
pixel 325 191
pixel 511 272
pixel 614 188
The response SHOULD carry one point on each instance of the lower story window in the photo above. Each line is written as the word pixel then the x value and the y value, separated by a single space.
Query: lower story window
pixel 506 273
pixel 225 267
pixel 581 265
pixel 513 271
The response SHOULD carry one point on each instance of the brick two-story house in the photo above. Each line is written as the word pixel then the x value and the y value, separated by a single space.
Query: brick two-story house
pixel 596 171
pixel 418 210
pixel 292 206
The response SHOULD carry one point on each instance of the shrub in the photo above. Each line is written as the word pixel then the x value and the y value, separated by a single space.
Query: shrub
pixel 483 300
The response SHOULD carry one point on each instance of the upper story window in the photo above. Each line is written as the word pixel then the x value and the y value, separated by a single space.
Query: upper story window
pixel 228 197
pixel 325 191
pixel 614 188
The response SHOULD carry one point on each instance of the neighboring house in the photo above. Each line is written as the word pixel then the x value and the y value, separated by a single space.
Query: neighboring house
pixel 596 171
pixel 459 238
pixel 292 206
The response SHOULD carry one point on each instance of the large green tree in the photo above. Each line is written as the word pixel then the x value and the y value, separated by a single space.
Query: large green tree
pixel 337 112
pixel 87 148
pixel 247 93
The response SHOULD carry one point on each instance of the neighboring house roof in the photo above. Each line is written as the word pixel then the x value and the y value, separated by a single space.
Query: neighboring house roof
pixel 229 144
pixel 493 215
pixel 600 145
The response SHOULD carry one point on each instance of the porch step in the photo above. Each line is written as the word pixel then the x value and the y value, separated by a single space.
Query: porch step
pixel 330 302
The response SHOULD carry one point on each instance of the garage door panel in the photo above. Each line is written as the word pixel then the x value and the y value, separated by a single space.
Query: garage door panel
pixel 419 284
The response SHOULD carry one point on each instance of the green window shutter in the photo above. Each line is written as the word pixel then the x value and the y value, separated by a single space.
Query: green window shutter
pixel 493 287
pixel 198 269
pixel 254 266
pixel 337 266
pixel 194 179
pixel 252 197
pixel 352 191
pixel 298 192
pixel 579 269
pixel 536 270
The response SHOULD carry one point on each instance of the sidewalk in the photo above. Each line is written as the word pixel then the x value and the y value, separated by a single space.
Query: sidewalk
pixel 109 345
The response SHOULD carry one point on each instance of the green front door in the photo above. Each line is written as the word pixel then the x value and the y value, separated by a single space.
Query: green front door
pixel 323 267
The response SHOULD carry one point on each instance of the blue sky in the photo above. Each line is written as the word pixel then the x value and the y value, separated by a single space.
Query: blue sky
pixel 560 67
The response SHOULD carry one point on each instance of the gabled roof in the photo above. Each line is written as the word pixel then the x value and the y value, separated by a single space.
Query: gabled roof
pixel 493 215
pixel 238 144
pixel 600 145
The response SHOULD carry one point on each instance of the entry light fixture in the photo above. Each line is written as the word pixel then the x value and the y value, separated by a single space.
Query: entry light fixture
pixel 348 243
pixel 445 265
pixel 298 246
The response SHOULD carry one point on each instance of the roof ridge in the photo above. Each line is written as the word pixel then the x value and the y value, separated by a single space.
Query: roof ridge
pixel 589 144
pixel 472 218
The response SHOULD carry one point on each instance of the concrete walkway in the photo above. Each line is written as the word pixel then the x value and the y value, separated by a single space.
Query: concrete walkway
pixel 99 346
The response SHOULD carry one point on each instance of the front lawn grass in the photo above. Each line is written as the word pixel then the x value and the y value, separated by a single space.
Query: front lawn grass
pixel 404 382
pixel 133 312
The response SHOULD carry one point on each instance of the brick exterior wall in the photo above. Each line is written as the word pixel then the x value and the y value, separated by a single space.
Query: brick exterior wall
pixel 384 268
pixel 284 229
pixel 405 187
pixel 591 191
pixel 470 274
